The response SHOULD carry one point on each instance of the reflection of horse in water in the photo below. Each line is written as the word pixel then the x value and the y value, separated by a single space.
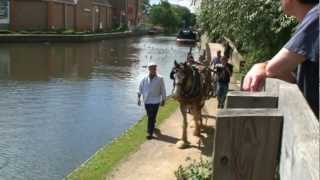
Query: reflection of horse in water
pixel 191 90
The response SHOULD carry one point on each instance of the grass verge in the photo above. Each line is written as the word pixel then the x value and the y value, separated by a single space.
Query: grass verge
pixel 105 159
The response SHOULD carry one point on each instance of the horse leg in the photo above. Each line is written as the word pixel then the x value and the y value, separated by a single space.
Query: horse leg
pixel 197 121
pixel 183 143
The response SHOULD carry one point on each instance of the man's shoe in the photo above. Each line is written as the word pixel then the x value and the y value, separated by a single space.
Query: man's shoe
pixel 149 137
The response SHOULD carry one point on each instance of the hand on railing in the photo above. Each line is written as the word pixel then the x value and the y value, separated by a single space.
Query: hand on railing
pixel 255 78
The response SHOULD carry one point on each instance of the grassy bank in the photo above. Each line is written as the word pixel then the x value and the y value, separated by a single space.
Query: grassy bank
pixel 108 156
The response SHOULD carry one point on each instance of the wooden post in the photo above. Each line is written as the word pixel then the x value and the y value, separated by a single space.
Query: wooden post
pixel 300 142
pixel 266 99
pixel 246 144
pixel 241 99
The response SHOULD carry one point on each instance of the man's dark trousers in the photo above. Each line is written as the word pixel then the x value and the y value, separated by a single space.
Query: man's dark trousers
pixel 152 110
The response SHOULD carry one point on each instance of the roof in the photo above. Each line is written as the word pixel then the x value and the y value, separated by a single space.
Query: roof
pixel 64 1
pixel 102 3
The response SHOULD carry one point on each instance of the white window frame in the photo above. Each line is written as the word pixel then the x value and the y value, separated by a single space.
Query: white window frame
pixel 6 20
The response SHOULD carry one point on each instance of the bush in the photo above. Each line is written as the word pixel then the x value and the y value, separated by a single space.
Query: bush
pixel 5 31
pixel 195 171
pixel 68 31
pixel 258 28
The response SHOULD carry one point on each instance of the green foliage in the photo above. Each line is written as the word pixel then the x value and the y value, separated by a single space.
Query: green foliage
pixel 185 17
pixel 122 28
pixel 164 16
pixel 258 27
pixel 171 17
pixel 108 156
pixel 195 171
pixel 68 31
pixel 145 6
pixel 5 31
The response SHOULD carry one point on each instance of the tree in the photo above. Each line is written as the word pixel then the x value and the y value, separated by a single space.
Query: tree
pixel 184 15
pixel 164 16
pixel 171 17
pixel 258 27
pixel 145 6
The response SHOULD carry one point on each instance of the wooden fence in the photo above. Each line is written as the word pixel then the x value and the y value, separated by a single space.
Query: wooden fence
pixel 264 134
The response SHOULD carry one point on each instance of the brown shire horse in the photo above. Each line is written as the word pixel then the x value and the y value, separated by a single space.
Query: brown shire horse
pixel 190 92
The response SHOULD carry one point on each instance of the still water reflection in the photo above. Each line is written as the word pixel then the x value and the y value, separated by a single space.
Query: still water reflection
pixel 60 102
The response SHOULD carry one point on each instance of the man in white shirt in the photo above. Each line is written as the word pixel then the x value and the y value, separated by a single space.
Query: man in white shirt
pixel 153 91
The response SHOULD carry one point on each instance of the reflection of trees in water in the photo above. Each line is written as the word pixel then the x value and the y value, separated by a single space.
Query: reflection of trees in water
pixel 28 62
pixel 113 58
pixel 69 61
pixel 42 62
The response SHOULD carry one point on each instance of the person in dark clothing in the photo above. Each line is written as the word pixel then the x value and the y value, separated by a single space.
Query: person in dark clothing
pixel 224 72
pixel 301 52
pixel 227 50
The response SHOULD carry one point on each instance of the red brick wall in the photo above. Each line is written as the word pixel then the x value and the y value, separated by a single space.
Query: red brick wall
pixel 103 17
pixel 109 18
pixel 132 11
pixel 70 17
pixel 84 15
pixel 96 18
pixel 26 18
pixel 117 6
pixel 57 16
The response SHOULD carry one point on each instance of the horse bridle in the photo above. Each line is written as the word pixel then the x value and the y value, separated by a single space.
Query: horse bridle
pixel 180 83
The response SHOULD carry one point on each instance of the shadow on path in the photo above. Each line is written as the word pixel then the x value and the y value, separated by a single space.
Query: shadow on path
pixel 165 138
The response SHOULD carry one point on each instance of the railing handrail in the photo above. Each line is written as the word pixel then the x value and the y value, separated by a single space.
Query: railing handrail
pixel 299 154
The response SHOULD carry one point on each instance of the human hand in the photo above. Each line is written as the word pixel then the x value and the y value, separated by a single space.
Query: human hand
pixel 254 79
pixel 163 103
pixel 139 102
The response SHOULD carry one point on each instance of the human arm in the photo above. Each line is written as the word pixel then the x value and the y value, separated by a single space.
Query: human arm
pixel 163 92
pixel 139 93
pixel 280 66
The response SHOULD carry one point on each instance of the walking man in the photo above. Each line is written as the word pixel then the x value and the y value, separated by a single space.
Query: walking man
pixel 224 72
pixel 153 91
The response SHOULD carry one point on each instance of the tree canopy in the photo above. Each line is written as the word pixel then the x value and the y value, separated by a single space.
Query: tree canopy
pixel 258 27
pixel 171 17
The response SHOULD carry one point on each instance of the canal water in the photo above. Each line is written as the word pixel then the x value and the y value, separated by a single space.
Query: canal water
pixel 59 103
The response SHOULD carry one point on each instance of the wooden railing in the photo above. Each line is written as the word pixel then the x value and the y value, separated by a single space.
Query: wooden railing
pixel 264 134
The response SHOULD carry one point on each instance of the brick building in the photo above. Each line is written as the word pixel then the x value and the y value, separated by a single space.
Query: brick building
pixel 119 12
pixel 125 12
pixel 79 15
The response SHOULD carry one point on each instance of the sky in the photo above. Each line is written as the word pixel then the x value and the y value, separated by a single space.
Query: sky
pixel 185 3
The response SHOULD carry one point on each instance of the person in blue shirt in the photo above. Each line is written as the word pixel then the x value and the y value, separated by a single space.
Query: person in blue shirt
pixel 300 53
pixel 217 59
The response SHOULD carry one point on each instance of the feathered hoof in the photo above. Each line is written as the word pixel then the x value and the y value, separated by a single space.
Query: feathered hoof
pixel 182 144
